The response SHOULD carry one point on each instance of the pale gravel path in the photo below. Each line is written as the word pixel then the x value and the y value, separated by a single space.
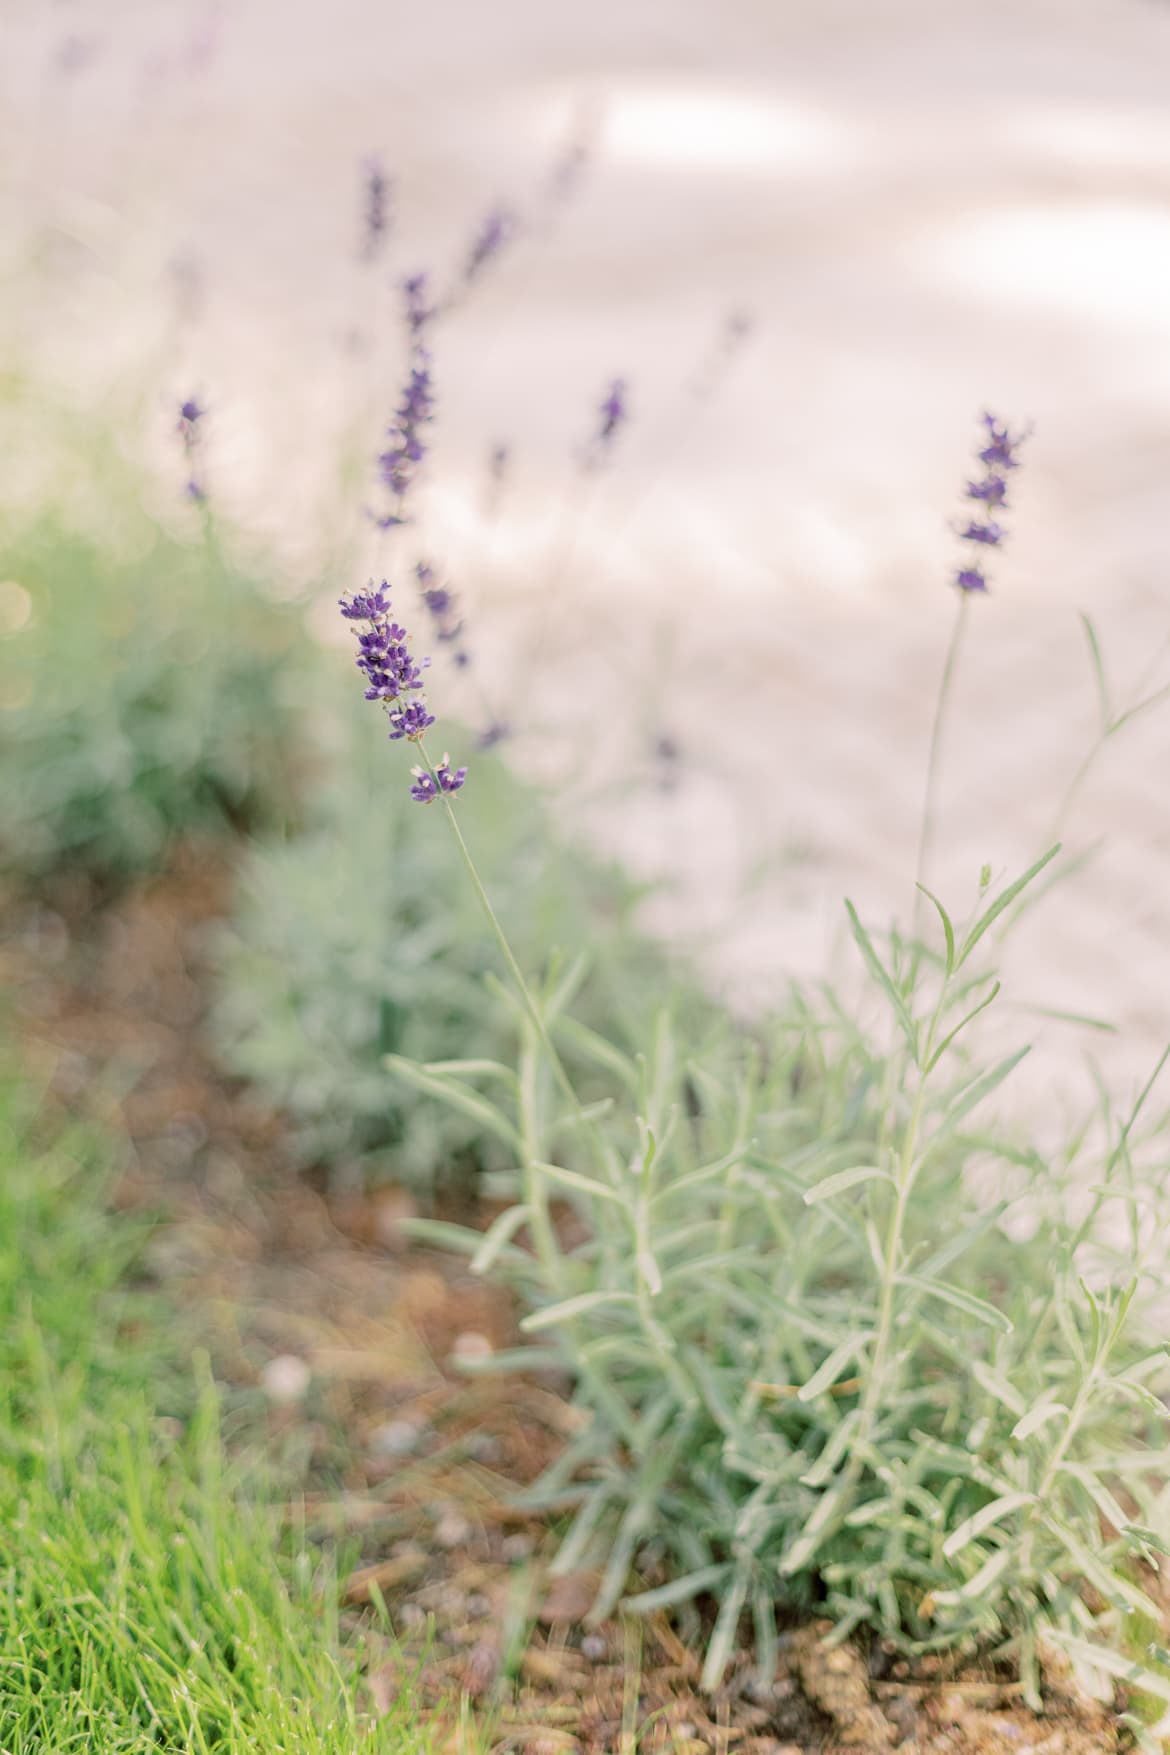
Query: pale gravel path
pixel 930 205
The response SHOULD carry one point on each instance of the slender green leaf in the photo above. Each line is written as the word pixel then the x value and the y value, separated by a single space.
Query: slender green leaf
pixel 1114 1663
pixel 992 914
pixel 881 975
pixel 570 1308
pixel 961 1026
pixel 677 1590
pixel 1103 704
pixel 831 1368
pixel 459 1096
pixel 948 929
pixel 498 1233
pixel 959 1299
pixel 1037 1417
pixel 973 1527
pixel 843 1179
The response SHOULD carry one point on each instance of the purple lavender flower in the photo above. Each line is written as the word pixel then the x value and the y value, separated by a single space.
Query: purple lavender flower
pixel 614 412
pixel 989 491
pixel 440 601
pixel 1000 450
pixel 399 463
pixel 190 414
pixel 427 786
pixel 377 191
pixel 418 311
pixel 392 674
pixel 492 734
pixel 989 534
pixel 411 721
pixel 497 231
pixel 992 490
pixel 498 462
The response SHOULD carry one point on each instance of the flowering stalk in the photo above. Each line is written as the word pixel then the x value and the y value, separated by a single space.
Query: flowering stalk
pixel 983 531
pixel 392 673
pixel 399 463
pixel 376 222
pixel 190 414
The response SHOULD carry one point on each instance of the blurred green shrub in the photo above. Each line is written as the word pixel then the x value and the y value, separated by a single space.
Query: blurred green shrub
pixel 839 1347
pixel 150 693
pixel 361 937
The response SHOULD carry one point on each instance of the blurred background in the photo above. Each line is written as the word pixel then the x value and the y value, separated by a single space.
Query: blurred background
pixel 816 240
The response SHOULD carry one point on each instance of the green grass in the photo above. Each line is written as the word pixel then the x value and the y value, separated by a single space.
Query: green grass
pixel 147 1601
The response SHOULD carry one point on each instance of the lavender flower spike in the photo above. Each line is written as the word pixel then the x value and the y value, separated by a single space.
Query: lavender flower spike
pixel 190 414
pixel 394 680
pixel 997 455
pixel 497 231
pixel 377 191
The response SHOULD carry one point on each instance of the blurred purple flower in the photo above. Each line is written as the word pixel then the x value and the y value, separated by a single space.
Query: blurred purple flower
pixel 376 189
pixel 492 734
pixel 418 311
pixel 614 412
pixel 498 229
pixel 190 415
pixel 997 454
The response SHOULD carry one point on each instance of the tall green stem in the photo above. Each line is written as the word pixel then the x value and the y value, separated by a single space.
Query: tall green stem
pixel 514 969
pixel 926 831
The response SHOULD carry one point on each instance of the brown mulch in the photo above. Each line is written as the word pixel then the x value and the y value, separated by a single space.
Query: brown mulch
pixel 321 1316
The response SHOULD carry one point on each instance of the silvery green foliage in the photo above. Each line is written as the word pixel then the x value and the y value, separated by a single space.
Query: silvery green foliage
pixel 153 694
pixel 816 1367
pixel 360 938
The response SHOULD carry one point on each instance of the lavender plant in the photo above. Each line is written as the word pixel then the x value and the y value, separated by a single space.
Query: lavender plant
pixel 836 1342
pixel 154 693
pixel 358 937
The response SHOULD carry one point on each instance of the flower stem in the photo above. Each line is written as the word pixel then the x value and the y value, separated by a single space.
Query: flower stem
pixel 926 832
pixel 514 969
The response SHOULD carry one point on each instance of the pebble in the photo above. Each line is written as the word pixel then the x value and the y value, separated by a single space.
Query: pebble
pixel 452 1529
pixel 411 1615
pixel 395 1438
pixel 516 1547
pixel 471 1345
pixel 285 1378
pixel 594 1648
pixel 483 1448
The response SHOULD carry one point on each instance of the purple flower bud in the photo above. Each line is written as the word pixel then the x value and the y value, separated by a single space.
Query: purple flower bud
pixel 990 534
pixel 497 230
pixel 412 721
pixel 493 734
pixel 427 787
pixel 377 190
pixel 614 412
pixel 970 579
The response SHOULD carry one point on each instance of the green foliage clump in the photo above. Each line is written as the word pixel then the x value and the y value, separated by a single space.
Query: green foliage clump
pixel 150 694
pixel 361 938
pixel 839 1348
pixel 145 1607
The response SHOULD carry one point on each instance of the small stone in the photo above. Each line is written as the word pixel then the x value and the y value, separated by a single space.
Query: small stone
pixel 516 1547
pixel 471 1345
pixel 594 1647
pixel 478 1605
pixel 452 1529
pixel 411 1615
pixel 395 1438
pixel 483 1448
pixel 285 1378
